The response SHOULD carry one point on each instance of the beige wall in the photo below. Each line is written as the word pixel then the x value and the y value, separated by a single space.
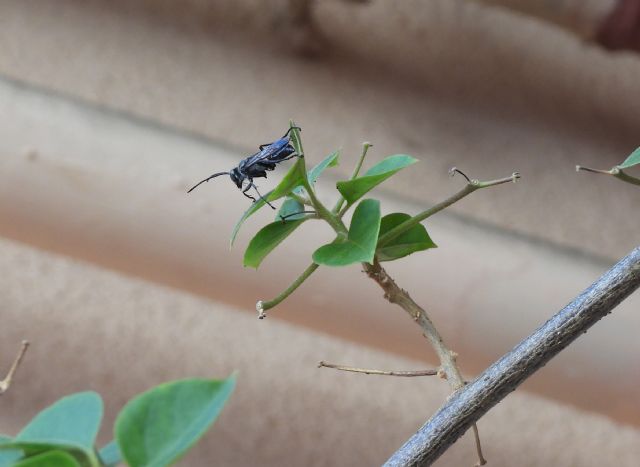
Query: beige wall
pixel 195 87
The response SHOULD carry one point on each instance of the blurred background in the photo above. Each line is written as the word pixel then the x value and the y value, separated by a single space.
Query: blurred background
pixel 111 110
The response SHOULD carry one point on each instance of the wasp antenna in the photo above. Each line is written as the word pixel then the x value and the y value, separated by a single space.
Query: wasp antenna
pixel 206 180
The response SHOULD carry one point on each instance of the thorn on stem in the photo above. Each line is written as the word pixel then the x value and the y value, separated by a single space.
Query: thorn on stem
pixel 455 170
pixel 367 371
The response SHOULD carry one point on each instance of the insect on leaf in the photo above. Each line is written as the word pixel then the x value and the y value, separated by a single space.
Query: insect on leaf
pixel 633 159
pixel 352 190
pixel 360 245
pixel 292 179
pixel 288 183
pixel 415 239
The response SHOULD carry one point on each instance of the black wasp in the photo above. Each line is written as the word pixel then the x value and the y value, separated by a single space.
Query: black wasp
pixel 257 165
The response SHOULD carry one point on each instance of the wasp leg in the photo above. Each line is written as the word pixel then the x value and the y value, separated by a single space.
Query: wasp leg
pixel 251 184
pixel 288 157
pixel 244 192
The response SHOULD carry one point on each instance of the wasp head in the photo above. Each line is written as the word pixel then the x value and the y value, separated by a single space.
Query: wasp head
pixel 237 177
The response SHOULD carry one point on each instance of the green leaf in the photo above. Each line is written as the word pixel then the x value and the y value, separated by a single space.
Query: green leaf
pixel 293 178
pixel 73 421
pixel 360 245
pixel 269 237
pixel 295 138
pixel 160 425
pixel 289 207
pixel 8 457
pixel 414 239
pixel 291 182
pixel 110 454
pixel 292 205
pixel 353 190
pixel 633 159
pixel 248 213
pixel 54 458
pixel 330 161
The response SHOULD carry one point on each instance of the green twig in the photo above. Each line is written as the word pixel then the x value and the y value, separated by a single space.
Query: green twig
pixel 300 199
pixel 365 147
pixel 616 172
pixel 471 186
pixel 262 307
pixel 320 208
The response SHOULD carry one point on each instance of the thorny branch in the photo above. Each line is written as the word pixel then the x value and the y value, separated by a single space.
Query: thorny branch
pixel 471 402
pixel 6 382
pixel 448 365
pixel 368 371
pixel 393 293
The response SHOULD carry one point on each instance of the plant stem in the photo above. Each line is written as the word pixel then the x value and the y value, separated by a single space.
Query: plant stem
pixel 620 175
pixel 468 404
pixel 323 212
pixel 320 208
pixel 616 172
pixel 472 186
pixel 400 297
pixel 300 199
pixel 365 147
pixel 262 307
pixel 6 382
pixel 378 372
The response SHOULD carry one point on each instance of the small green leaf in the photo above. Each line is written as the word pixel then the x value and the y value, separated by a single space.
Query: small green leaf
pixel 330 161
pixel 159 426
pixel 353 190
pixel 54 458
pixel 110 454
pixel 414 239
pixel 295 138
pixel 633 159
pixel 360 245
pixel 293 178
pixel 248 213
pixel 8 457
pixel 72 421
pixel 289 207
pixel 269 237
